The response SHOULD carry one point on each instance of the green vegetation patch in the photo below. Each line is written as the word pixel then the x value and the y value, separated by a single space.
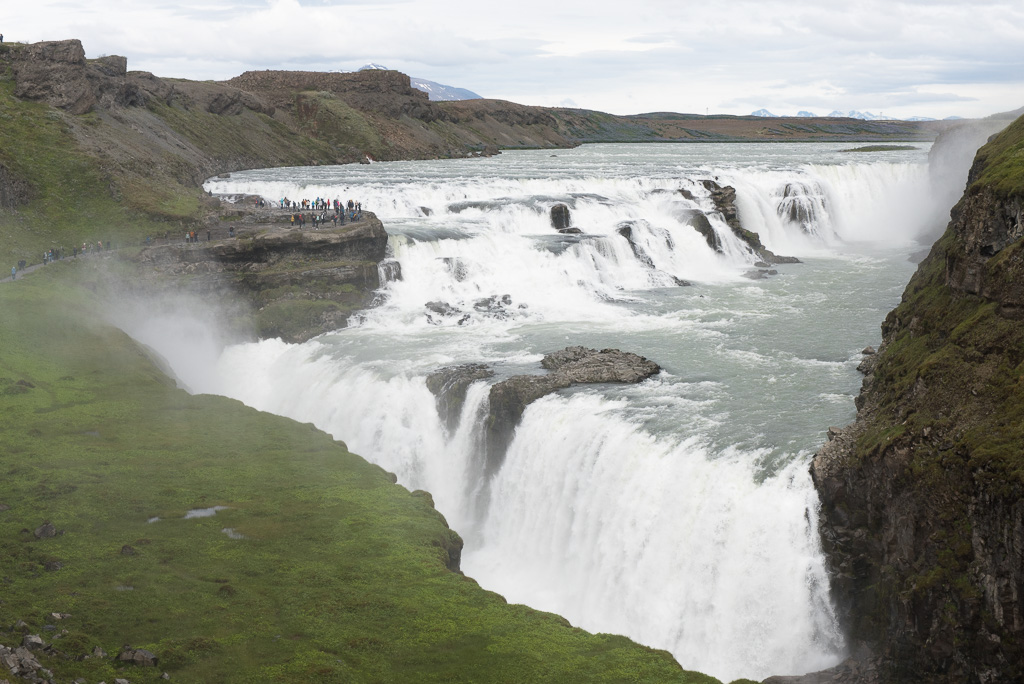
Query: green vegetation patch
pixel 70 195
pixel 1002 161
pixel 330 119
pixel 317 568
pixel 954 360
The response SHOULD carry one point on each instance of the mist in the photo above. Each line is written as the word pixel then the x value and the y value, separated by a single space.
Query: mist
pixel 949 163
pixel 187 333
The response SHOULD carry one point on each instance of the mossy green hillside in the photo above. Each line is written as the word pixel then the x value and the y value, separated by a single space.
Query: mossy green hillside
pixel 242 140
pixel 1002 162
pixel 70 195
pixel 330 572
pixel 947 415
pixel 946 347
pixel 326 117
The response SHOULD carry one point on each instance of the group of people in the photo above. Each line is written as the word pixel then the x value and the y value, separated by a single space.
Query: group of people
pixel 58 253
pixel 318 204
pixel 353 211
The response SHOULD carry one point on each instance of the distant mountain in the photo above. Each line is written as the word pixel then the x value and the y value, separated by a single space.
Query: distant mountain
pixel 864 116
pixel 371 65
pixel 443 93
pixel 852 114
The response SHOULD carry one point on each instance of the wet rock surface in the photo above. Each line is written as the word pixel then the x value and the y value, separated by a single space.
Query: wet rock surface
pixel 499 307
pixel 860 668
pixel 628 231
pixel 570 366
pixel 561 219
pixel 508 399
pixel 449 386
pixel 724 199
pixel 699 222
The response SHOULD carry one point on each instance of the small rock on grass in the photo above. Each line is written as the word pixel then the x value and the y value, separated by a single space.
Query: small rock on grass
pixel 138 656
pixel 33 641
pixel 46 530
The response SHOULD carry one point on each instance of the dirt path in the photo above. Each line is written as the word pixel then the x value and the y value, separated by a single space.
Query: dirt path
pixel 27 269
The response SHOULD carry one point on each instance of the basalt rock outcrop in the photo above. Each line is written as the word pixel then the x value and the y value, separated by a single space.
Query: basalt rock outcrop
pixel 509 398
pixel 449 386
pixel 377 90
pixel 561 219
pixel 57 72
pixel 724 199
pixel 299 283
pixel 627 230
pixel 922 515
pixel 700 223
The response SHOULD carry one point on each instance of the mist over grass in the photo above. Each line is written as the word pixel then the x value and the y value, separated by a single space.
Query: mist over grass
pixel 330 572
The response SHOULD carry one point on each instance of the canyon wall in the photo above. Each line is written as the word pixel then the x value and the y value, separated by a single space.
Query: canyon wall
pixel 922 509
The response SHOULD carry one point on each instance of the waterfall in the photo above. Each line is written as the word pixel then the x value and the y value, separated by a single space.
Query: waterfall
pixel 678 512
pixel 621 516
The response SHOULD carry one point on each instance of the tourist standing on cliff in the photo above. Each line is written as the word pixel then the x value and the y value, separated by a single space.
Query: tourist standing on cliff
pixel 14 269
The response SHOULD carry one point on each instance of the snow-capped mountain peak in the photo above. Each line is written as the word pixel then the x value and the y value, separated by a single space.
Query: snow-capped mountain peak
pixel 440 92
pixel 864 116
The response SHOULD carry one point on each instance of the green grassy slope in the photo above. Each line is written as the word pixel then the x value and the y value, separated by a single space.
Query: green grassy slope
pixel 70 195
pixel 1003 162
pixel 340 575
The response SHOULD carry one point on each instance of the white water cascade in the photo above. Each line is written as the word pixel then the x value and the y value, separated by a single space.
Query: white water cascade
pixel 679 511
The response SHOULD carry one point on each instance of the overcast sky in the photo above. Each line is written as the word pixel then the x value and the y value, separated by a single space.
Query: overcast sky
pixel 903 58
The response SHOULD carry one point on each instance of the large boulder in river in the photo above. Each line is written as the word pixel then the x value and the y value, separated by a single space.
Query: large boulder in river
pixel 583 365
pixel 560 217
pixel 625 229
pixel 449 386
pixel 570 366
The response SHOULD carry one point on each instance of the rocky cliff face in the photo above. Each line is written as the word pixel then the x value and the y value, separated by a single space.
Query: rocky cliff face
pixel 58 73
pixel 298 283
pixel 923 496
